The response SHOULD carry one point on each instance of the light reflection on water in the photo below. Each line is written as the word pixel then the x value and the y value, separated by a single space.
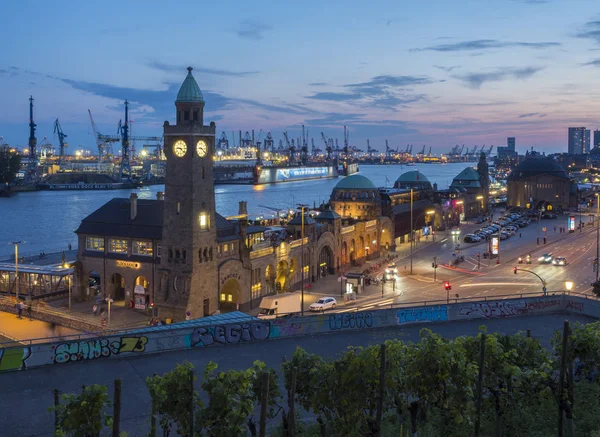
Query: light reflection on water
pixel 47 220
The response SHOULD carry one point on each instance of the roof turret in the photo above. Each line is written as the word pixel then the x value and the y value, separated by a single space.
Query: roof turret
pixel 189 91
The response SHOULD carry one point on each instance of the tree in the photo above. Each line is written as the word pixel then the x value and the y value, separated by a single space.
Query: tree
pixel 172 396
pixel 233 396
pixel 439 374
pixel 10 162
pixel 82 415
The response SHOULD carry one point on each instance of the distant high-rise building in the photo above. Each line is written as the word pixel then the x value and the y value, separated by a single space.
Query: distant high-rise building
pixel 597 138
pixel 576 137
pixel 510 143
pixel 586 141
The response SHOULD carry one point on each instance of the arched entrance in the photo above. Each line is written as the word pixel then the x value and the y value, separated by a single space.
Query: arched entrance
pixel 344 253
pixel 352 252
pixel 118 287
pixel 325 262
pixel 361 247
pixel 282 276
pixel 270 278
pixel 141 292
pixel 230 296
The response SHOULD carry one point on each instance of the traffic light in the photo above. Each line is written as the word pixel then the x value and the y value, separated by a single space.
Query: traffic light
pixel 447 286
pixel 515 270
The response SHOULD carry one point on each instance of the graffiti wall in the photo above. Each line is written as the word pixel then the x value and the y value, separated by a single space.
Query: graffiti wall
pixel 223 331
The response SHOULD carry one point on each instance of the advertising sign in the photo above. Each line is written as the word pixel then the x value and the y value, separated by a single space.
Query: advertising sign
pixel 495 244
pixel 571 223
pixel 289 174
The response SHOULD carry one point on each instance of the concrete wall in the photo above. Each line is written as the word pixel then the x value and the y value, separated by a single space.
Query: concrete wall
pixel 198 334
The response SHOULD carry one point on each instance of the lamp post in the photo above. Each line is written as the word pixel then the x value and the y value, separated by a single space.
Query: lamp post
pixel 412 232
pixel 16 244
pixel 302 257
pixel 66 266
pixel 569 286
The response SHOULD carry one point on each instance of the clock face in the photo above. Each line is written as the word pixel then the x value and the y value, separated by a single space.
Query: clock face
pixel 202 148
pixel 179 148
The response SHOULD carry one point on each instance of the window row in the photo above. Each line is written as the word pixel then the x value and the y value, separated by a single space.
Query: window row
pixel 117 245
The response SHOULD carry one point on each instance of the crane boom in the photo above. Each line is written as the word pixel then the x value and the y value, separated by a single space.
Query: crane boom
pixel 61 140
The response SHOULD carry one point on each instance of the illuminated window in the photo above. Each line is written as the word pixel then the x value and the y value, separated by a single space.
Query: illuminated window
pixel 117 246
pixel 204 221
pixel 142 248
pixel 94 243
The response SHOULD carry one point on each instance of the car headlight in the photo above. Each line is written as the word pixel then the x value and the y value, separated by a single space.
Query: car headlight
pixel 541 258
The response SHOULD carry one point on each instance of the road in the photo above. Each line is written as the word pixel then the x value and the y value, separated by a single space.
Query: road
pixel 27 395
pixel 481 278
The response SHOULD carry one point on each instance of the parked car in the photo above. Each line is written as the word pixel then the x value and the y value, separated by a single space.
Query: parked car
pixel 549 215
pixel 471 238
pixel 325 303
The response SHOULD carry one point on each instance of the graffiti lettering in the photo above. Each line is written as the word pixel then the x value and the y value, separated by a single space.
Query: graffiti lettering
pixel 99 348
pixel 424 314
pixel 14 358
pixel 571 305
pixel 494 309
pixel 230 334
pixel 537 306
pixel 350 321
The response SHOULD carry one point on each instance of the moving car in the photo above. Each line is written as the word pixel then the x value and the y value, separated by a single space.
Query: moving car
pixel 325 303
pixel 559 261
pixel 391 272
pixel 545 258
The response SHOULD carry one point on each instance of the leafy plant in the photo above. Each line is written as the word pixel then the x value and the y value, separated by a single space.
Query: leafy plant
pixel 82 415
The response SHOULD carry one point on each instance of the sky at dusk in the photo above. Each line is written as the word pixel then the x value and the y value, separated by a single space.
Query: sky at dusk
pixel 421 72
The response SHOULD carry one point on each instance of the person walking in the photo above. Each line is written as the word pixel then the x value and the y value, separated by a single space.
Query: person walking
pixel 19 309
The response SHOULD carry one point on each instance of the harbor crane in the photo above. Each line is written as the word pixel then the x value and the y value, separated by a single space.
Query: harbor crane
pixel 346 138
pixel 61 141
pixel 370 150
pixel 223 142
pixel 290 146
pixel 429 154
pixel 388 151
pixel 489 153
pixel 328 146
pixel 103 142
pixel 32 140
pixel 269 143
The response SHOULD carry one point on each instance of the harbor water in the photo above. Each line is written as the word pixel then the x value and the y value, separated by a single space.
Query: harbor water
pixel 47 220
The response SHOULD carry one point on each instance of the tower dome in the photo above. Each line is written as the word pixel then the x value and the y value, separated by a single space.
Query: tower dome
pixel 189 91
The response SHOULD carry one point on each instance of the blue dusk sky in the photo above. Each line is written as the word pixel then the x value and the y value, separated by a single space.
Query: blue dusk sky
pixel 434 72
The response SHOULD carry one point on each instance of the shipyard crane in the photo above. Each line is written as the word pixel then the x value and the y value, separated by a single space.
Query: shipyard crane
pixel 369 149
pixel 346 137
pixel 223 142
pixel 422 151
pixel 387 149
pixel 410 150
pixel 290 146
pixel 45 150
pixel 429 154
pixel 269 143
pixel 61 140
pixel 104 142
pixel 328 146
pixel 490 151
pixel 247 140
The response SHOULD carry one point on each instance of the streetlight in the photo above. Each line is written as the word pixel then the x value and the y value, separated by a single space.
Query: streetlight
pixel 301 206
pixel 569 286
pixel 66 266
pixel 16 244
pixel 412 231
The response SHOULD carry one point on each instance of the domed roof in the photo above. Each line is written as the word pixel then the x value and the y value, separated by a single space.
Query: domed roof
pixel 412 176
pixel 355 182
pixel 189 91
pixel 537 166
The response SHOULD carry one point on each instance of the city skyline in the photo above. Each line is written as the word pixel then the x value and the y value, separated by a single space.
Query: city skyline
pixel 429 74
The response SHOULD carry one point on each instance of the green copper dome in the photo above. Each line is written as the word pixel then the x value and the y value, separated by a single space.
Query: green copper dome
pixel 412 176
pixel 189 91
pixel 355 182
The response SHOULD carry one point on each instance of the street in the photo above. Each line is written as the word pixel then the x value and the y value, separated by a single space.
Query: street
pixel 479 277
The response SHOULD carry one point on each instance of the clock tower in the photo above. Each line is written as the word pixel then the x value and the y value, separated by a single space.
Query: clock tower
pixel 188 278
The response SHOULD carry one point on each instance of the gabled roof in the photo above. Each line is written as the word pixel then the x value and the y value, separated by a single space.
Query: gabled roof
pixel 355 182
pixel 113 219
pixel 189 91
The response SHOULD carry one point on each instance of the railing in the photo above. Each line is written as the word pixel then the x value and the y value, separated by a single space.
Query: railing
pixel 347 229
pixel 298 243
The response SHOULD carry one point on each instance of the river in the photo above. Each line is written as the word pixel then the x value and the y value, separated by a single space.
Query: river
pixel 47 220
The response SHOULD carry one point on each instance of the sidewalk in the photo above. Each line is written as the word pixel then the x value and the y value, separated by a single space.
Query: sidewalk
pixel 121 317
